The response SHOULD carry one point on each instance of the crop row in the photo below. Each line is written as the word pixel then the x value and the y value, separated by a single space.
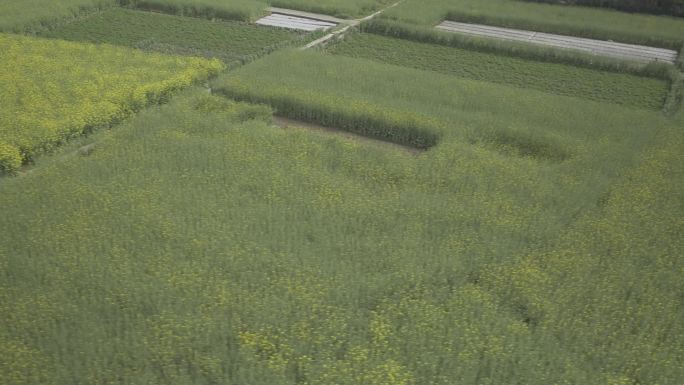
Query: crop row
pixel 426 34
pixel 660 31
pixel 554 78
pixel 663 7
pixel 54 90
pixel 36 15
pixel 419 108
pixel 228 41
pixel 250 10
pixel 245 10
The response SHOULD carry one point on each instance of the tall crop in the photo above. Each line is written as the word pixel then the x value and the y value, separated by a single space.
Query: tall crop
pixel 199 244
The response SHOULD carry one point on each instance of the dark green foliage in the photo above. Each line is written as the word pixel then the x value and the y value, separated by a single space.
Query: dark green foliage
pixel 228 41
pixel 37 15
pixel 595 23
pixel 425 34
pixel 243 10
pixel 544 76
pixel 420 108
pixel 657 7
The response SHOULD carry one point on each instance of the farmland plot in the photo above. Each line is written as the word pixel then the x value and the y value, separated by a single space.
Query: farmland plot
pixel 250 10
pixel 198 244
pixel 423 108
pixel 243 10
pixel 630 90
pixel 19 16
pixel 658 31
pixel 537 241
pixel 55 90
pixel 228 41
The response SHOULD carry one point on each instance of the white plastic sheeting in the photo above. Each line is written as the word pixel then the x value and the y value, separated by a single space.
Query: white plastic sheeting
pixel 295 22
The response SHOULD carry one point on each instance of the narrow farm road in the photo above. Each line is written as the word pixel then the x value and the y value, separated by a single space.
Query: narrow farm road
pixel 350 24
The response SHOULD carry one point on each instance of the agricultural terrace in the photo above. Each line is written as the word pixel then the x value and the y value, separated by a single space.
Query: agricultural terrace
pixel 473 211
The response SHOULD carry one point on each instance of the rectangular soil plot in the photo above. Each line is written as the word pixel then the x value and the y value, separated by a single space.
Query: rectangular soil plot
pixel 595 47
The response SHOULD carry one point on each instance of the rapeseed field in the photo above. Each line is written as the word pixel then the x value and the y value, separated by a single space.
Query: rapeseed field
pixel 516 217
pixel 55 90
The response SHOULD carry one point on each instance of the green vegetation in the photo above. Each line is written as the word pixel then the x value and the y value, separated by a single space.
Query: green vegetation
pixel 536 241
pixel 621 262
pixel 549 77
pixel 228 41
pixel 662 7
pixel 198 245
pixel 19 16
pixel 245 10
pixel 418 108
pixel 54 90
pixel 249 10
pixel 661 31
pixel 427 34
pixel 340 8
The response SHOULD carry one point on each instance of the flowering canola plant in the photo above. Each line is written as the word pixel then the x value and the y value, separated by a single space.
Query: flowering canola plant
pixel 55 90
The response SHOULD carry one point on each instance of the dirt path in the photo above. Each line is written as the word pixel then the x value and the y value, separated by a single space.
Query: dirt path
pixel 350 24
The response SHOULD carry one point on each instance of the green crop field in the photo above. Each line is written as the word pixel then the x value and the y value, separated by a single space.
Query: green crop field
pixel 422 108
pixel 227 41
pixel 54 90
pixel 34 14
pixel 554 78
pixel 186 199
pixel 595 23
pixel 247 10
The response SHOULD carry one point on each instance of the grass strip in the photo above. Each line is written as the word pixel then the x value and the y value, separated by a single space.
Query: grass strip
pixel 243 10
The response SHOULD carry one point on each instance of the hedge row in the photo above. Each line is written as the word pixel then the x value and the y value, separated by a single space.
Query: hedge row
pixel 656 7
